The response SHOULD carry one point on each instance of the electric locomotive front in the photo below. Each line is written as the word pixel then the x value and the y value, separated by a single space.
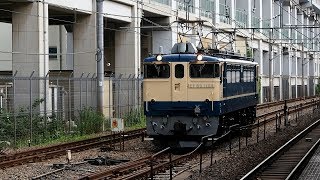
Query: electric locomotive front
pixel 180 91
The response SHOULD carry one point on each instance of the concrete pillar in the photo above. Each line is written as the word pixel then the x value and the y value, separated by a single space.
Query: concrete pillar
pixel 6 48
pixel 30 39
pixel 260 15
pixel 233 12
pixel 30 47
pixel 127 47
pixel 249 21
pixel 197 8
pixel 271 75
pixel 217 12
pixel 85 46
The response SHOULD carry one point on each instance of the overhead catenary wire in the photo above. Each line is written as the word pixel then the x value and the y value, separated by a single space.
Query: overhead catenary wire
pixel 129 31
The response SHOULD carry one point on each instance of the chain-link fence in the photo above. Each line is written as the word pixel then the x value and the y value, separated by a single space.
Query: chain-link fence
pixel 35 110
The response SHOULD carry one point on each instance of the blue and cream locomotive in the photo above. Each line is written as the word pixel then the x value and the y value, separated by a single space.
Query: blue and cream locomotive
pixel 188 94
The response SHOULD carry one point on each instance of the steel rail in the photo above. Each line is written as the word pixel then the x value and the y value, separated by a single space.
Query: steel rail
pixel 270 104
pixel 269 160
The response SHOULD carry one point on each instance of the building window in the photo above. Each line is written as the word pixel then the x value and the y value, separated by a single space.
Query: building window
pixel 207 8
pixel 53 53
pixel 187 5
pixel 167 2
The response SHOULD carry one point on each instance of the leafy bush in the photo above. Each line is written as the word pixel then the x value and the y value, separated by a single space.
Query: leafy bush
pixel 135 118
pixel 90 121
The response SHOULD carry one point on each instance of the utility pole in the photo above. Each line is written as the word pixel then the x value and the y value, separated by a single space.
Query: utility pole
pixel 302 70
pixel 270 67
pixel 100 56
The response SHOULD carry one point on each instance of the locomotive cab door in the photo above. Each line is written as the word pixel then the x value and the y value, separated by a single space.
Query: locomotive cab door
pixel 179 79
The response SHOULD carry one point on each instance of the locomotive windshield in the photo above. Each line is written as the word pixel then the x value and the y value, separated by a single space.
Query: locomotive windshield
pixel 204 70
pixel 156 71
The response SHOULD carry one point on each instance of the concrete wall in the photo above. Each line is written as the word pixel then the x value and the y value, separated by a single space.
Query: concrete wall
pixel 5 47
pixel 161 38
pixel 85 5
pixel 58 37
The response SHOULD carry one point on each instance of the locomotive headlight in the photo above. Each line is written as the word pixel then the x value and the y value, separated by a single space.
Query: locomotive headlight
pixel 199 57
pixel 159 57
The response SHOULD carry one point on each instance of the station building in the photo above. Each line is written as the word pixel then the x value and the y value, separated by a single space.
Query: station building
pixel 60 35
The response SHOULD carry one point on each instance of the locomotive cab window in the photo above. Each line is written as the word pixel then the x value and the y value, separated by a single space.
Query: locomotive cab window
pixel 179 71
pixel 204 70
pixel 156 71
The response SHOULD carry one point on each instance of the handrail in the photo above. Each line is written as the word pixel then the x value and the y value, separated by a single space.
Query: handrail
pixel 160 152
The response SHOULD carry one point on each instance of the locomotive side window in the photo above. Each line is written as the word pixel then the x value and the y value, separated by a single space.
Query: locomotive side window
pixel 248 74
pixel 179 71
pixel 156 71
pixel 233 73
pixel 204 70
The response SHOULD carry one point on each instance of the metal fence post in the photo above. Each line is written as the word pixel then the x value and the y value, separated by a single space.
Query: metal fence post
pixel 69 101
pixel 45 103
pixel 211 154
pixel 87 89
pixel 296 113
pixel 110 92
pixel 247 136
pixel 258 131
pixel 128 101
pixel 239 139
pixel 230 141
pixel 14 108
pixel 58 114
pixel 276 123
pixel 123 136
pixel 285 111
pixel 201 159
pixel 80 123
pixel 118 98
pixel 264 128
pixel 81 93
pixel 91 93
pixel 30 108
pixel 170 160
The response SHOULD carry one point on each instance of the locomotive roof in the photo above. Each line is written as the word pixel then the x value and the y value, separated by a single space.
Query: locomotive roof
pixel 181 58
pixel 193 57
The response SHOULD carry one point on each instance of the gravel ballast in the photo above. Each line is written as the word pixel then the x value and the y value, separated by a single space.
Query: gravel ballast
pixel 237 164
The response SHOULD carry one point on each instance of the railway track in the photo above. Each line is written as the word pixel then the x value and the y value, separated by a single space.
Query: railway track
pixel 133 169
pixel 289 160
pixel 290 110
pixel 160 169
pixel 277 103
pixel 160 165
pixel 40 154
